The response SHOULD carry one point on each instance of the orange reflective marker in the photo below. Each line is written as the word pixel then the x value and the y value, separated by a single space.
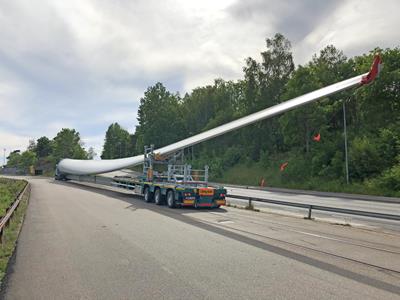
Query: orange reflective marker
pixel 317 138
pixel 283 166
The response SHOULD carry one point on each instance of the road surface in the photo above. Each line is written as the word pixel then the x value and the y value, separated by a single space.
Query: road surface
pixel 81 242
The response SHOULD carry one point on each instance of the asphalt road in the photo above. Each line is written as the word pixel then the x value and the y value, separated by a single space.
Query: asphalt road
pixel 355 204
pixel 80 242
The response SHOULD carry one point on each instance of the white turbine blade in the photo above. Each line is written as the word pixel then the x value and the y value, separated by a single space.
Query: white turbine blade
pixel 263 114
pixel 86 167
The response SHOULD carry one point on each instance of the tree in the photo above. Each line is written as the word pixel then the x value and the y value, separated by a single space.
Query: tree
pixel 160 118
pixel 298 125
pixel 91 154
pixel 32 145
pixel 252 85
pixel 116 143
pixel 13 160
pixel 276 67
pixel 21 161
pixel 43 147
pixel 68 144
pixel 379 103
pixel 264 85
pixel 27 159
pixel 132 145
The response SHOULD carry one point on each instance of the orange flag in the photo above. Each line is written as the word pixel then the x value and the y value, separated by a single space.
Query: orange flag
pixel 317 138
pixel 283 166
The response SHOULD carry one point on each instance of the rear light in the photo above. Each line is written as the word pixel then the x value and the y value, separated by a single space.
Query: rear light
pixel 222 195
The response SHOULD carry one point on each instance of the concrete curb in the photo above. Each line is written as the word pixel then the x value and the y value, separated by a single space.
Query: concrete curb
pixel 318 193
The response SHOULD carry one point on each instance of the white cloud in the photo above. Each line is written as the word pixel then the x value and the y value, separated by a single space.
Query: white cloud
pixel 356 27
pixel 94 141
pixel 10 142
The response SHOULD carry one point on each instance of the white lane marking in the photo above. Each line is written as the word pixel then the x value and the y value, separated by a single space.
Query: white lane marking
pixel 225 222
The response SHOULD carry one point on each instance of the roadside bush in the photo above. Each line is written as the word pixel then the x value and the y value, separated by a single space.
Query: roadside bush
pixel 231 157
pixel 389 146
pixel 365 160
pixel 298 169
pixel 390 179
pixel 328 167
pixel 216 167
pixel 265 159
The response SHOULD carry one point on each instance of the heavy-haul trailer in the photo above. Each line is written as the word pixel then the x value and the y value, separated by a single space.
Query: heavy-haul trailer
pixel 192 194
pixel 175 194
pixel 184 190
pixel 177 184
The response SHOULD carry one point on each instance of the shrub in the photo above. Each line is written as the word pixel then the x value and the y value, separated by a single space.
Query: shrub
pixel 231 157
pixel 298 169
pixel 390 179
pixel 364 159
pixel 265 159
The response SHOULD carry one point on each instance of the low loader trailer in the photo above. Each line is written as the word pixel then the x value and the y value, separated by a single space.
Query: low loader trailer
pixel 175 194
pixel 176 184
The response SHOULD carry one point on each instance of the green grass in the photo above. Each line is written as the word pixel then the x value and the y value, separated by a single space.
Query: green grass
pixel 9 188
pixel 251 174
pixel 245 174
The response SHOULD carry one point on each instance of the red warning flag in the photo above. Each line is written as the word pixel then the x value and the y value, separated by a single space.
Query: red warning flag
pixel 317 138
pixel 283 166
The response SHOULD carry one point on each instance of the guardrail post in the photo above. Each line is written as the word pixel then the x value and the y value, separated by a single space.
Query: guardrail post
pixel 309 212
pixel 250 205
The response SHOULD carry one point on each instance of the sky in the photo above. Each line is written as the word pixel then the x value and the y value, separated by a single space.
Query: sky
pixel 85 64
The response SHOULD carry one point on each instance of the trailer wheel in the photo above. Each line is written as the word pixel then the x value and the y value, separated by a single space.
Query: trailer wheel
pixel 148 197
pixel 171 199
pixel 158 197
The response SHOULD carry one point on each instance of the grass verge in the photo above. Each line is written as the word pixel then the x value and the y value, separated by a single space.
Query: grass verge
pixel 9 190
pixel 251 174
pixel 11 232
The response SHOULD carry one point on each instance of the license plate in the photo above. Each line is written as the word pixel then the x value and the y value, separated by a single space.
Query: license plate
pixel 206 192
pixel 188 201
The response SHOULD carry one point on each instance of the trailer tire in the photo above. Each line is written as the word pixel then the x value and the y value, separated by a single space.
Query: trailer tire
pixel 148 196
pixel 171 199
pixel 158 198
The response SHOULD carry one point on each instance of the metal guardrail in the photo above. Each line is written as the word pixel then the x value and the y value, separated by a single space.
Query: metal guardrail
pixel 370 198
pixel 312 207
pixel 4 221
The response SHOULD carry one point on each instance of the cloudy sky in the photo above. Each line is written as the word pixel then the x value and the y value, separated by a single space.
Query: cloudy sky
pixel 85 63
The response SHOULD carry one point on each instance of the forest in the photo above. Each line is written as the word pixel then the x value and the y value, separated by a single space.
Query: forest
pixel 303 148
